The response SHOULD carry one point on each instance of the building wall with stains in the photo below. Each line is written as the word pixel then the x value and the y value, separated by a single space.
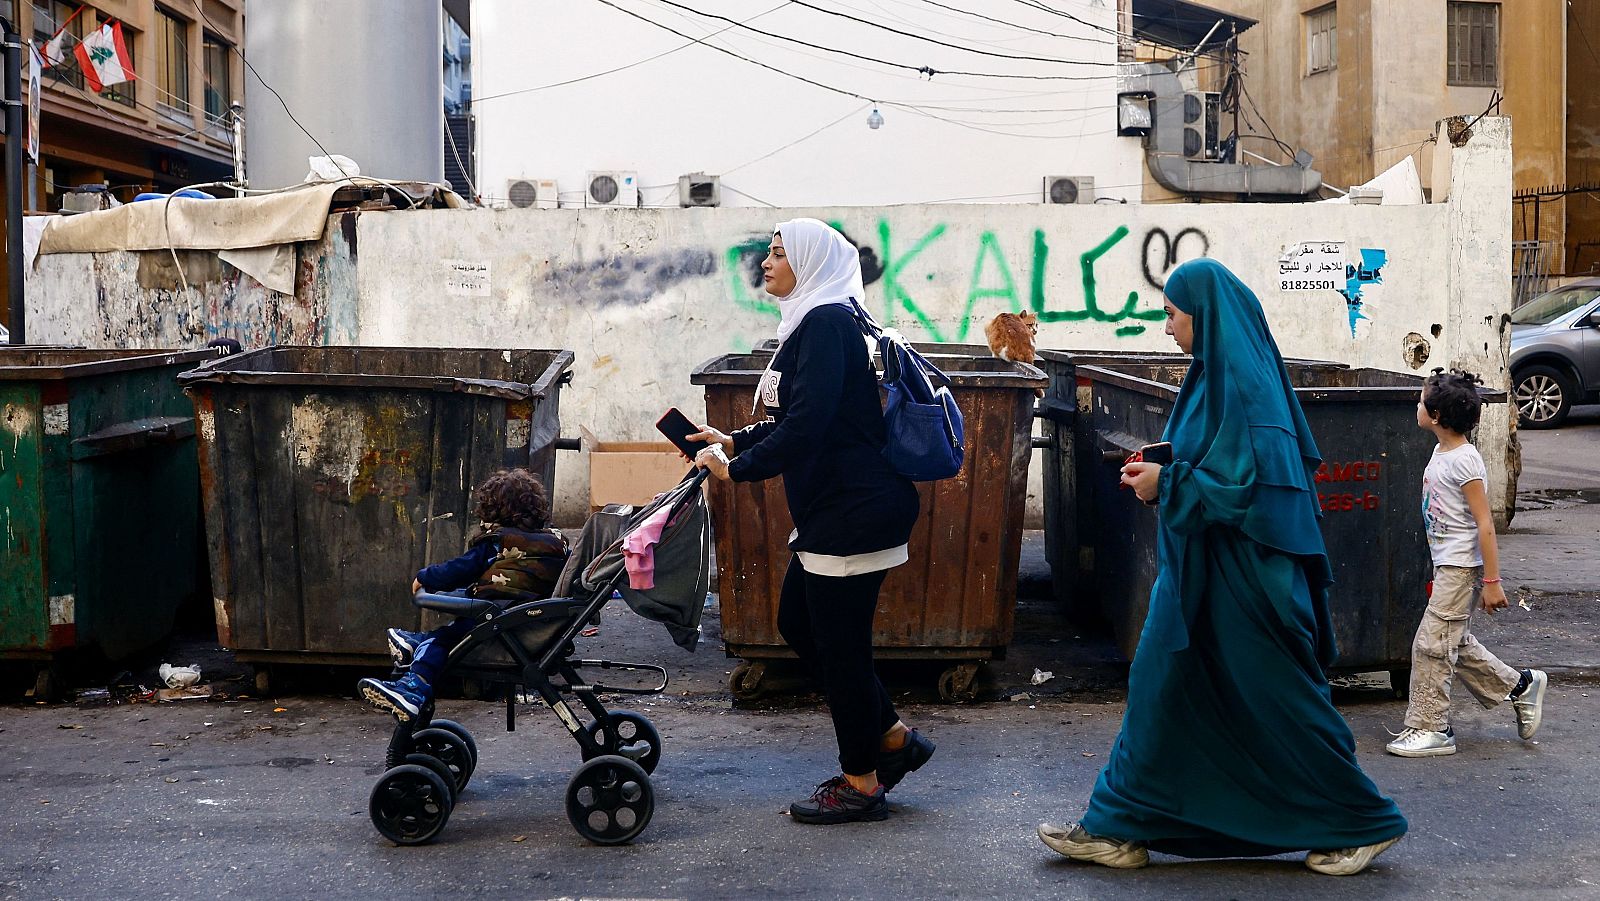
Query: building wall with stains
pixel 141 300
pixel 643 296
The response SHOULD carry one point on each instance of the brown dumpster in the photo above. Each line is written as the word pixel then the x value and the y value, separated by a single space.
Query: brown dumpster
pixel 956 598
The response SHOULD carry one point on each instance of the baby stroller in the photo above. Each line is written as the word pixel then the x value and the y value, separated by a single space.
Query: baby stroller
pixel 528 649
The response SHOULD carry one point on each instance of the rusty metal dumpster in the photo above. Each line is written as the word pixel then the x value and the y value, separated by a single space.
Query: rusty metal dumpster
pixel 1067 433
pixel 955 600
pixel 332 474
pixel 1364 422
pixel 100 494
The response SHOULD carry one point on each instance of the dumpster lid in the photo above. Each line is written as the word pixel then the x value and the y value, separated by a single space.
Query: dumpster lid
pixel 513 374
pixel 41 363
pixel 1314 382
pixel 964 370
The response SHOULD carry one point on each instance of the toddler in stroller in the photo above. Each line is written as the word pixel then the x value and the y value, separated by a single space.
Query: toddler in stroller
pixel 657 558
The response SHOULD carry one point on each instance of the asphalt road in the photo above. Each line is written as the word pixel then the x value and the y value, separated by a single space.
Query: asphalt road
pixel 266 798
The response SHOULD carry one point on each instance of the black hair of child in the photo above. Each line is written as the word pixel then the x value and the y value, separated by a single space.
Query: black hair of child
pixel 514 498
pixel 1452 398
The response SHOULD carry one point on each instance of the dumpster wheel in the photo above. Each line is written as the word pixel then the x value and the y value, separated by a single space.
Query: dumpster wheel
pixel 745 680
pixel 958 684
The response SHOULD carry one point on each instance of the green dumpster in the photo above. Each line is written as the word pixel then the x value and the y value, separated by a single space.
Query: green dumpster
pixel 100 496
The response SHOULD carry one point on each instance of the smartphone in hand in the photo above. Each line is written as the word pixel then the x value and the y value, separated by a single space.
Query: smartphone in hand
pixel 1160 453
pixel 678 428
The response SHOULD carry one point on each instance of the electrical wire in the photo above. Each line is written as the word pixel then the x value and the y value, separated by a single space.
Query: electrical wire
pixel 800 140
pixel 1012 56
pixel 728 187
pixel 926 70
pixel 648 59
pixel 1577 20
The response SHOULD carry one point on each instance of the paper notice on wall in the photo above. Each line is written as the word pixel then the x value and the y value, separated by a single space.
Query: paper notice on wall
pixel 1312 266
pixel 466 278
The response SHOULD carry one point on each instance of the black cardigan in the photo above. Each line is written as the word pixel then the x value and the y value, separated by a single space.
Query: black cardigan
pixel 826 438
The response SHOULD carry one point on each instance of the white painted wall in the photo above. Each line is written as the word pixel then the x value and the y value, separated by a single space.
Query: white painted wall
pixel 643 296
pixel 698 109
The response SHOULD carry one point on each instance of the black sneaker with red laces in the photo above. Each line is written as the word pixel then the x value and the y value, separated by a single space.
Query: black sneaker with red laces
pixel 836 801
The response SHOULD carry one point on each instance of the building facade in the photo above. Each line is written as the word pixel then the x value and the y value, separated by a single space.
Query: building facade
pixel 167 128
pixel 1360 84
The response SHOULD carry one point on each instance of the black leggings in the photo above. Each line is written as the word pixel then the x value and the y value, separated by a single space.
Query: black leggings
pixel 827 620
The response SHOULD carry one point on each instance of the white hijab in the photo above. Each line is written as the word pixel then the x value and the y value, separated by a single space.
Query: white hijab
pixel 827 271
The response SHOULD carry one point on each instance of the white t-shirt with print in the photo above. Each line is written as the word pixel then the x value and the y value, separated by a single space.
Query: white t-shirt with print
pixel 1446 518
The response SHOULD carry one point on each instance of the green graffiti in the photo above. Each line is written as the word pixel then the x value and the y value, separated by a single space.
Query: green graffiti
pixel 893 291
pixel 1130 330
pixel 988 247
pixel 734 263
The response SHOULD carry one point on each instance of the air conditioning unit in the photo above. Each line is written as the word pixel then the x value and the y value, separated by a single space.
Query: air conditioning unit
pixel 699 189
pixel 1202 112
pixel 534 193
pixel 1068 189
pixel 613 188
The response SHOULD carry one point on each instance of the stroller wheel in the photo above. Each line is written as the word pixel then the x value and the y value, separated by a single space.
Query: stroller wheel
pixel 609 800
pixel 448 748
pixel 626 734
pixel 410 804
pixel 439 769
pixel 461 733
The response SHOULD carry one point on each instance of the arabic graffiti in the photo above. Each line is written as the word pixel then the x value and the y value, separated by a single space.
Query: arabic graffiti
pixel 992 281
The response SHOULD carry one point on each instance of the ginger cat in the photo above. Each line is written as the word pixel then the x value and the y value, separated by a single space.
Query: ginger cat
pixel 1011 336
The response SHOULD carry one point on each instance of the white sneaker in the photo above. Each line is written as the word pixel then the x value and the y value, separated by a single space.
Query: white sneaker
pixel 1078 844
pixel 1530 705
pixel 1423 743
pixel 1349 861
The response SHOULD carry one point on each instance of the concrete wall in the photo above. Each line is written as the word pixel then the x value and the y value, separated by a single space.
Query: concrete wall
pixel 643 296
pixel 784 141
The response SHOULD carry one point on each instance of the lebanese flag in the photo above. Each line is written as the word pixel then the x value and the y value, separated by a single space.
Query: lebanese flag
pixel 103 56
pixel 54 53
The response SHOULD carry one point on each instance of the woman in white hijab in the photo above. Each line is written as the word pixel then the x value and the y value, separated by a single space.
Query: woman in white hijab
pixel 852 512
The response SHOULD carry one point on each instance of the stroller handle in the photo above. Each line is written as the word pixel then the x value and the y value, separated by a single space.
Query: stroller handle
pixel 446 603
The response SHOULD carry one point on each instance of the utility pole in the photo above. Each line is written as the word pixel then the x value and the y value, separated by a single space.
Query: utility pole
pixel 236 121
pixel 16 136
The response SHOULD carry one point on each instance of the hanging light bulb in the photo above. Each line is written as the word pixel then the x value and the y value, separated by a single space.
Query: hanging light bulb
pixel 875 119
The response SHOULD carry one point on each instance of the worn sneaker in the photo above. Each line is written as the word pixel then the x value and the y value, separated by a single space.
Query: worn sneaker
pixel 404 697
pixel 894 765
pixel 836 801
pixel 403 646
pixel 1529 705
pixel 1348 861
pixel 1423 743
pixel 1076 843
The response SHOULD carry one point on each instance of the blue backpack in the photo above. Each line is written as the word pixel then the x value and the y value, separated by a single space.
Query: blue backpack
pixel 927 439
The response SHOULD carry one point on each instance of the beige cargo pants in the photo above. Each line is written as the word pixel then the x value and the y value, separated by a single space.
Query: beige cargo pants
pixel 1444 647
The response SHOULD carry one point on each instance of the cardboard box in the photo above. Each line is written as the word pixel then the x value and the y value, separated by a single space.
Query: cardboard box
pixel 630 472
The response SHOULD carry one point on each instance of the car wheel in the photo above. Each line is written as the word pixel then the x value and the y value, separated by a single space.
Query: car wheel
pixel 1544 397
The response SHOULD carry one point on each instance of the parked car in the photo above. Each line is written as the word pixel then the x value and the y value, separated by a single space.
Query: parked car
pixel 1555 353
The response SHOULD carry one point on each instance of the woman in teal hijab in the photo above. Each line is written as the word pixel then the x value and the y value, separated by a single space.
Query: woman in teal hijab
pixel 1231 746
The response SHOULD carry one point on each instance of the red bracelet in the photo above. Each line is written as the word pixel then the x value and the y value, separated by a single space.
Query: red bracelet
pixel 1491 581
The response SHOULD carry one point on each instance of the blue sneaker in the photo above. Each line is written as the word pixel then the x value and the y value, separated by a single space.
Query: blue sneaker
pixel 403 646
pixel 404 697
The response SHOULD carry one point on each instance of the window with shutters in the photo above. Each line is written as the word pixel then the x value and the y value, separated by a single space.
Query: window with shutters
pixel 1473 56
pixel 1322 39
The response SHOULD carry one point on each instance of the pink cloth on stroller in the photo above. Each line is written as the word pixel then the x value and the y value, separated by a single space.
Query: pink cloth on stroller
pixel 639 551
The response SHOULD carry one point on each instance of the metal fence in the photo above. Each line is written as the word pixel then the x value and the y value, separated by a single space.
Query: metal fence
pixel 1530 269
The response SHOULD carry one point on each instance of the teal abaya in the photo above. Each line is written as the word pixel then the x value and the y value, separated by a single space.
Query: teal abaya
pixel 1230 745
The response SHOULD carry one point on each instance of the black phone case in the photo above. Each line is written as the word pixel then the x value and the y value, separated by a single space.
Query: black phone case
pixel 678 428
pixel 1157 453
